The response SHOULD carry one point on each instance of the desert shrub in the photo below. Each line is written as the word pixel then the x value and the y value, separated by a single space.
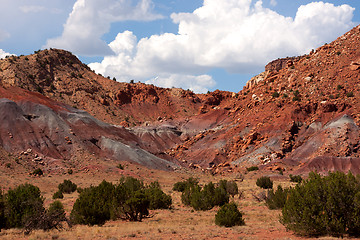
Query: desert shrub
pixel 79 190
pixel 229 215
pixel 57 208
pixel 46 220
pixel 296 99
pixel 324 206
pixel 264 182
pixel 295 178
pixel 21 204
pixel 230 187
pixel 181 186
pixel 221 196
pixel 206 198
pixel 350 94
pixel 2 211
pixel 275 95
pixel 67 187
pixel 37 172
pixel 130 200
pixel 277 199
pixel 188 192
pixel 157 198
pixel 57 195
pixel 252 168
pixel 94 205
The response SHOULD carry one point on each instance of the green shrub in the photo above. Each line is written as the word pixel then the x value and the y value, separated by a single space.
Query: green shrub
pixel 264 182
pixel 94 205
pixel 157 198
pixel 67 187
pixel 277 199
pixel 229 215
pixel 252 168
pixel 295 178
pixel 130 200
pixel 21 204
pixel 324 206
pixel 221 196
pixel 57 195
pixel 181 186
pixel 204 199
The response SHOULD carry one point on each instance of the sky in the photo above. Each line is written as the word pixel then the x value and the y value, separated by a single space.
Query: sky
pixel 191 44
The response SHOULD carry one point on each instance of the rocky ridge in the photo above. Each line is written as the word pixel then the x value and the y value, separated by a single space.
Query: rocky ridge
pixel 301 114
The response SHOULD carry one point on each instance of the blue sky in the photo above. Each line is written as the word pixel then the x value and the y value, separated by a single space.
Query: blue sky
pixel 192 44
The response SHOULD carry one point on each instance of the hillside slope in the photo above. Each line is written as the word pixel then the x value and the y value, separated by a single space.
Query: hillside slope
pixel 53 134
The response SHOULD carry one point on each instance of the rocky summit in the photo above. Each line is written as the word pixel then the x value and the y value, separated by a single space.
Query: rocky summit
pixel 301 114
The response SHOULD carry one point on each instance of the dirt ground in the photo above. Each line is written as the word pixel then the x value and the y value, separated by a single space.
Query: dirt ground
pixel 180 222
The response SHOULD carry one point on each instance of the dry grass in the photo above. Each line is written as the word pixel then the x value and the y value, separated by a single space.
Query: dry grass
pixel 178 223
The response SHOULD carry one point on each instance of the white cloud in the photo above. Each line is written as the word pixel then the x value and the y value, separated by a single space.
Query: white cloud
pixel 273 3
pixel 3 54
pixel 236 35
pixel 91 19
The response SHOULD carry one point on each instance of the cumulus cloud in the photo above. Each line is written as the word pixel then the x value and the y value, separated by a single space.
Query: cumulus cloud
pixel 236 35
pixel 91 19
pixel 3 54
